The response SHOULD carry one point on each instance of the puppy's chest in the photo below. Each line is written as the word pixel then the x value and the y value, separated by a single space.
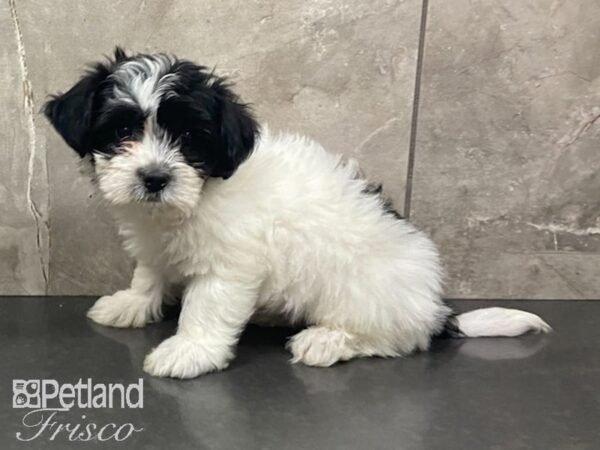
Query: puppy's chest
pixel 178 253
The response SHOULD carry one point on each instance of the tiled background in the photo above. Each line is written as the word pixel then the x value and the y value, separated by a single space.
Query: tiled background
pixel 497 156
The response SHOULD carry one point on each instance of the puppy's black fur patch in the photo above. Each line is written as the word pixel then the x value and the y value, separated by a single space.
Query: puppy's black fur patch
pixel 451 329
pixel 199 111
pixel 376 189
pixel 73 112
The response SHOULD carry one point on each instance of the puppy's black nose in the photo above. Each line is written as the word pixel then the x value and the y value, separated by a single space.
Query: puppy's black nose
pixel 155 180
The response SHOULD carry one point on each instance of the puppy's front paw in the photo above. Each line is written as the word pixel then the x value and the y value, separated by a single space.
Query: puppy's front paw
pixel 180 357
pixel 124 309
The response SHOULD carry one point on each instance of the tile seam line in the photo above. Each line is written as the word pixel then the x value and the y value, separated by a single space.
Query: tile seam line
pixel 415 109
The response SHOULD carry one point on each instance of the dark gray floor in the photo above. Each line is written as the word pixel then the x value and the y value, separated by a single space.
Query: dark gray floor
pixel 533 392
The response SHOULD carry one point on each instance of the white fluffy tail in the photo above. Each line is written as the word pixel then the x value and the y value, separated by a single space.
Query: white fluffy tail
pixel 499 322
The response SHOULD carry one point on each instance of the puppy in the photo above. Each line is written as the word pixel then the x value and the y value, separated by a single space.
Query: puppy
pixel 242 224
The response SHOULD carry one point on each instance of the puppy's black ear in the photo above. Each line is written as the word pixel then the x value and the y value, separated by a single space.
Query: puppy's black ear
pixel 238 132
pixel 120 54
pixel 71 113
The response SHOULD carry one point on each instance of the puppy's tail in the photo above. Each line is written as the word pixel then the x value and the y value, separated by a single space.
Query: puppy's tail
pixel 493 322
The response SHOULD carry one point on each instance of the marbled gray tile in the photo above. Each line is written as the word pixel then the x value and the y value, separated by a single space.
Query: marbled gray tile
pixel 341 71
pixel 507 160
pixel 23 181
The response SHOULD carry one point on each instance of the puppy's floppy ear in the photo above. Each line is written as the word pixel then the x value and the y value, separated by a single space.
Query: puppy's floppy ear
pixel 71 113
pixel 238 132
pixel 120 54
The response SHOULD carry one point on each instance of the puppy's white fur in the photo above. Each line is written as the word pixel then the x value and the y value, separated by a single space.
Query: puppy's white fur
pixel 293 233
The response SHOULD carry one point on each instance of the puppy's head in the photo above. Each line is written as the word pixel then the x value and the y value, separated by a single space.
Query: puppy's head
pixel 154 128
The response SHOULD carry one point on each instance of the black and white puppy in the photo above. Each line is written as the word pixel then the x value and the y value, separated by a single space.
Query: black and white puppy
pixel 243 226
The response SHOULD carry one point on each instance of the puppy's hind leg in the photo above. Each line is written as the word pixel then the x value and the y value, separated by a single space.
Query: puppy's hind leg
pixel 322 347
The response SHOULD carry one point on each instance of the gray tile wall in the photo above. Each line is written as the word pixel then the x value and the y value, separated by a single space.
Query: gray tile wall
pixel 507 163
pixel 505 151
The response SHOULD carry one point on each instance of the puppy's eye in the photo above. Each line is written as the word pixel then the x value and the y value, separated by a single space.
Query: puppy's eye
pixel 191 134
pixel 123 132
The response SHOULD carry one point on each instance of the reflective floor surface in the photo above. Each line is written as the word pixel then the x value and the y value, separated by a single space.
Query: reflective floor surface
pixel 532 392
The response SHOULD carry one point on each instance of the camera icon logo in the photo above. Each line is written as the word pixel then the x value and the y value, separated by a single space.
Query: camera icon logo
pixel 26 394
